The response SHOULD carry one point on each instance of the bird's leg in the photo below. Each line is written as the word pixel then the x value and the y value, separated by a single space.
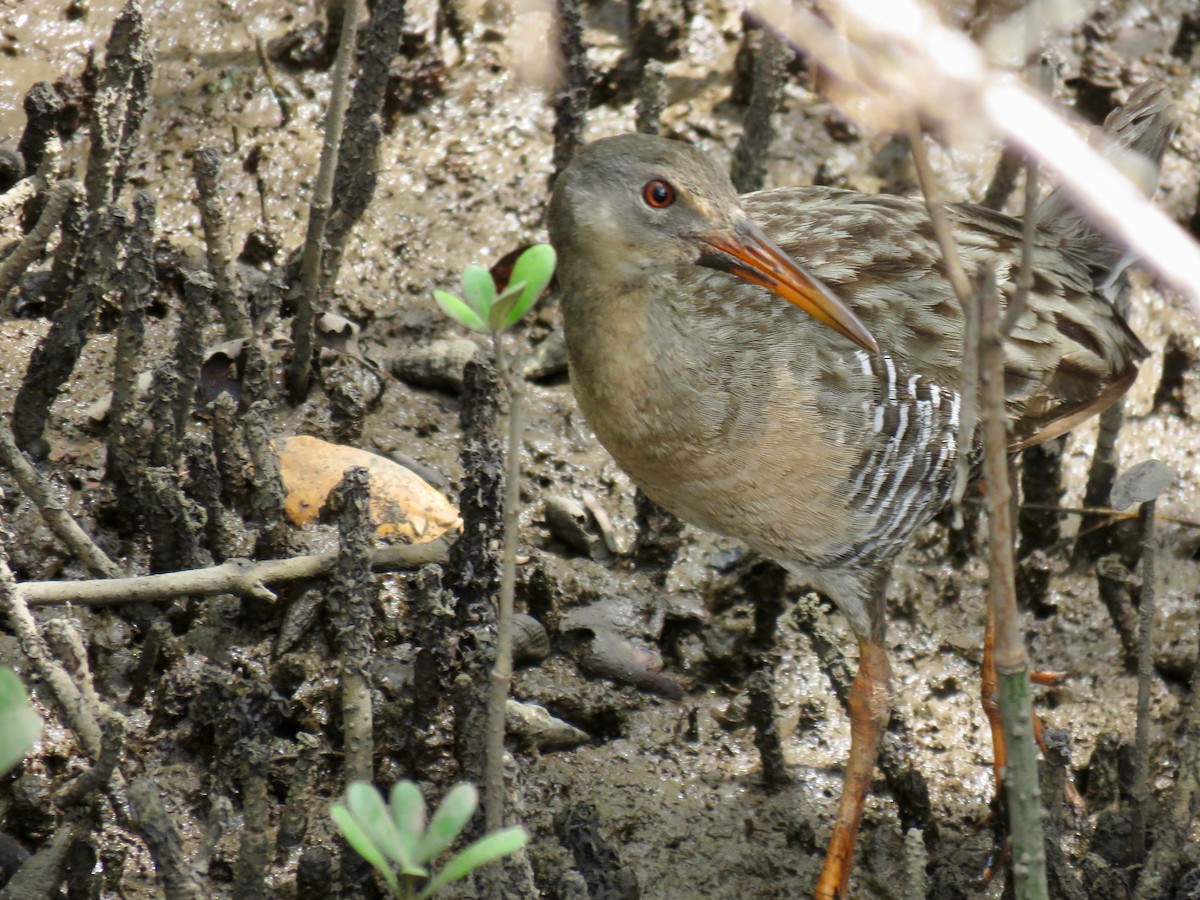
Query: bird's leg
pixel 988 688
pixel 991 706
pixel 870 706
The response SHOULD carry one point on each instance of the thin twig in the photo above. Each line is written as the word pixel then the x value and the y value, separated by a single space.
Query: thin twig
pixel 349 600
pixel 149 816
pixel 749 169
pixel 76 711
pixel 55 357
pixel 241 577
pixel 300 367
pixel 969 384
pixel 575 88
pixel 652 97
pixel 62 635
pixel 20 194
pixel 1145 671
pixel 1012 665
pixel 99 775
pixel 1175 824
pixel 357 173
pixel 1115 587
pixel 916 858
pixel 1029 224
pixel 40 492
pixel 254 851
pixel 206 168
pixel 1003 181
pixel 942 229
pixel 119 105
pixel 137 282
pixel 41 874
pixel 34 243
pixel 285 106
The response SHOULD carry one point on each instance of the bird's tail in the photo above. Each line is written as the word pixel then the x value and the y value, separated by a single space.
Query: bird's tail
pixel 1136 136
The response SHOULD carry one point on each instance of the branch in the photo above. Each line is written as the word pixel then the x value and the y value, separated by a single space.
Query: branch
pixel 78 713
pixel 969 387
pixel 244 578
pixel 1012 665
pixel 501 677
pixel 34 243
pixel 39 491
pixel 300 368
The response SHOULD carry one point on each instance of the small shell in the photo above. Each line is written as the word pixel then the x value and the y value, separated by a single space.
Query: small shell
pixel 570 523
pixel 613 656
pixel 531 642
pixel 601 521
pixel 438 365
pixel 534 726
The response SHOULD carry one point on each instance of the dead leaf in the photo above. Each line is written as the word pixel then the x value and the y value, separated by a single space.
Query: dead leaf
pixel 403 505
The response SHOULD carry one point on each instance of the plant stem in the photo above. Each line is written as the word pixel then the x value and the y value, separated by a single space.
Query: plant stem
pixel 1012 665
pixel 300 367
pixel 493 798
pixel 1145 669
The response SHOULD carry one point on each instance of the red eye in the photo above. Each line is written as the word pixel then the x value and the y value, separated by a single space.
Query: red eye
pixel 658 194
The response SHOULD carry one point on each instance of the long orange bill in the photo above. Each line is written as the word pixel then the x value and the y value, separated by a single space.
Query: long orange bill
pixel 751 255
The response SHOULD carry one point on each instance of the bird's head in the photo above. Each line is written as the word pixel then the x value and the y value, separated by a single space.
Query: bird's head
pixel 630 206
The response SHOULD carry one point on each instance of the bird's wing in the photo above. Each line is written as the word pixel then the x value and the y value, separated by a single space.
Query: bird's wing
pixel 1070 353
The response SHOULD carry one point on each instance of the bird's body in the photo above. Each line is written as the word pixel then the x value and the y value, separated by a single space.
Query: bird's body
pixel 746 416
pixel 822 432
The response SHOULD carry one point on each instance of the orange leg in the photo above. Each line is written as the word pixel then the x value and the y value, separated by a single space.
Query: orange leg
pixel 1048 679
pixel 870 707
pixel 991 706
pixel 988 687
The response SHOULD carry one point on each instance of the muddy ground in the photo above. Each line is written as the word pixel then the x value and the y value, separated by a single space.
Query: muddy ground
pixel 669 776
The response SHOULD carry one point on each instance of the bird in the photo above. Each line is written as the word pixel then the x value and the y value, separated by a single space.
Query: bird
pixel 822 431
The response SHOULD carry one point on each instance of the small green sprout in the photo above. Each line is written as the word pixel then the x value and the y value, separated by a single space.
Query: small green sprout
pixel 483 310
pixel 395 839
pixel 19 724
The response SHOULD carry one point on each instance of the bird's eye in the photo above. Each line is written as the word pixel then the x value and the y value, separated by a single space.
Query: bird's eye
pixel 658 194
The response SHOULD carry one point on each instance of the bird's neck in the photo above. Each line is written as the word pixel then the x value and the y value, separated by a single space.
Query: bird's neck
pixel 625 354
pixel 658 369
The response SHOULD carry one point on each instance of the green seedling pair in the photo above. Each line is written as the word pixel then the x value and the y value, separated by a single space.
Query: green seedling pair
pixel 395 838
pixel 484 310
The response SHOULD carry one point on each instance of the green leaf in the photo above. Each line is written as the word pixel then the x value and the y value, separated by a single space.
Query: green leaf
pixel 479 289
pixel 535 267
pixel 483 851
pixel 357 838
pixel 460 312
pixel 19 724
pixel 503 306
pixel 451 816
pixel 373 816
pixel 408 809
